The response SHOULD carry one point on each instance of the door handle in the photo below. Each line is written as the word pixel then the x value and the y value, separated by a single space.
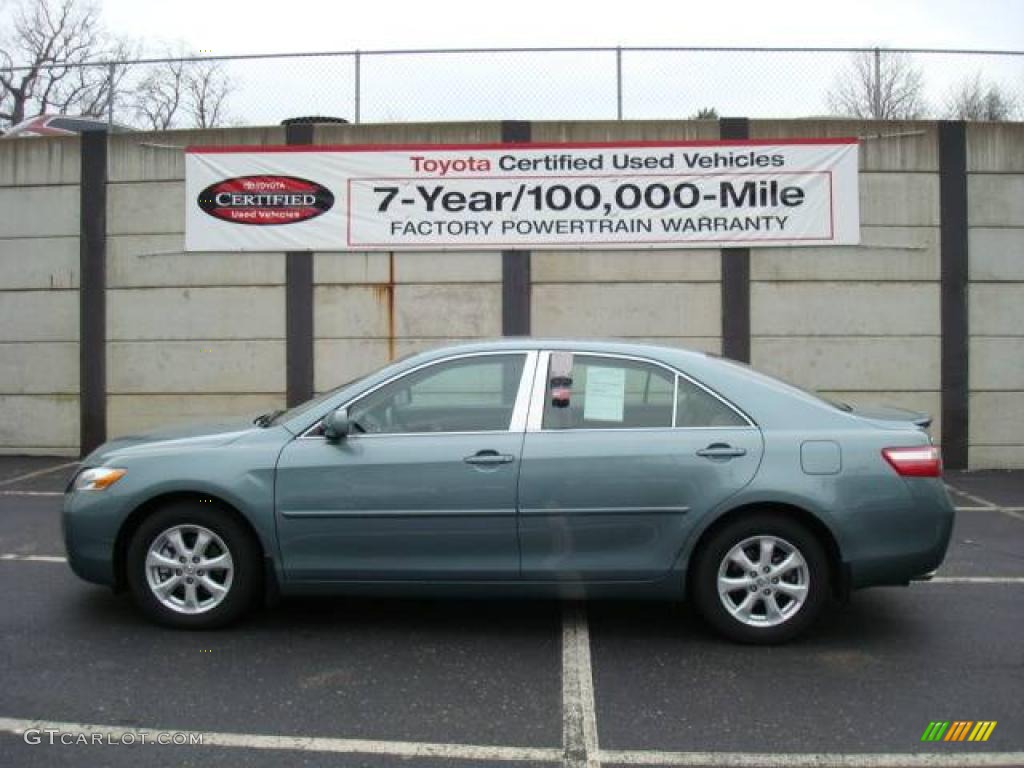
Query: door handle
pixel 489 458
pixel 721 451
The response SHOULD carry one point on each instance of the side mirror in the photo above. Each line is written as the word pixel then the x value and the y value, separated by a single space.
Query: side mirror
pixel 336 424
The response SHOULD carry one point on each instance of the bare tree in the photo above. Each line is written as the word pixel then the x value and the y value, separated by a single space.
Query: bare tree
pixel 158 97
pixel 879 85
pixel 42 57
pixel 208 89
pixel 975 99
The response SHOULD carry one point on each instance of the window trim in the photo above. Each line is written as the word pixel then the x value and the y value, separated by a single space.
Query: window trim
pixel 534 421
pixel 517 422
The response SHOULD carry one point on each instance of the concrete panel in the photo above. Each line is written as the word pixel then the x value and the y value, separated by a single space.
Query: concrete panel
pixel 923 402
pixel 997 418
pixel 996 254
pixel 995 147
pixel 899 199
pixel 448 310
pixel 997 363
pixel 339 360
pixel 41 160
pixel 996 309
pixel 448 267
pixel 195 313
pixel 840 309
pixel 851 364
pixel 884 253
pixel 408 133
pixel 169 367
pixel 39 424
pixel 39 211
pixel 995 456
pixel 38 315
pixel 146 208
pixel 129 414
pixel 159 260
pixel 639 266
pixel 627 309
pixel 630 130
pixel 346 312
pixel 360 268
pixel 888 146
pixel 995 200
pixel 158 155
pixel 46 368
pixel 39 262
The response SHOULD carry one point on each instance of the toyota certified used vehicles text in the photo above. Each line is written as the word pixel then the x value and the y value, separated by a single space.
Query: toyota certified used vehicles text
pixel 524 467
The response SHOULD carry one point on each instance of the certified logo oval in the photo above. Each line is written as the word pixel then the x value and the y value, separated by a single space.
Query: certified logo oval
pixel 264 200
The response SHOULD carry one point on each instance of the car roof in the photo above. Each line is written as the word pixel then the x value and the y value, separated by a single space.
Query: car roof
pixel 597 345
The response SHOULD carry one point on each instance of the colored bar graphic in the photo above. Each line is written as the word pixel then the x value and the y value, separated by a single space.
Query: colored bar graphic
pixel 982 730
pixel 958 730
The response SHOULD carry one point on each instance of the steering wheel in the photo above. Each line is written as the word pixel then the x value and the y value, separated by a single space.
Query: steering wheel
pixel 366 422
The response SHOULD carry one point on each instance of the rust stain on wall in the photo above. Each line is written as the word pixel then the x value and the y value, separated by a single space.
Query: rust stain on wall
pixel 385 293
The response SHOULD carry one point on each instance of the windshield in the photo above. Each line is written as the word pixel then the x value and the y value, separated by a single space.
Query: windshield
pixel 301 408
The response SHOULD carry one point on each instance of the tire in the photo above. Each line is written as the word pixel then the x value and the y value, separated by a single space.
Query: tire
pixel 785 602
pixel 228 585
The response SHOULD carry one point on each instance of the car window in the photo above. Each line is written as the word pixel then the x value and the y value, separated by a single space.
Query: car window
pixel 473 394
pixel 595 392
pixel 696 407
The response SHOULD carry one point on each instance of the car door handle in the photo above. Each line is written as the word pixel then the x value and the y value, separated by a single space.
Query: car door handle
pixel 721 451
pixel 489 458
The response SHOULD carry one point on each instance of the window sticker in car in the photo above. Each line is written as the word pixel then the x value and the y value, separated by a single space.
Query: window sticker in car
pixel 604 398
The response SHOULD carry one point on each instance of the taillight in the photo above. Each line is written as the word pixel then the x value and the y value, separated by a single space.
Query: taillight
pixel 919 461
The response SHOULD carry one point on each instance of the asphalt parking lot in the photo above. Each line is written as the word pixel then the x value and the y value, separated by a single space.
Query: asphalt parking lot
pixel 384 683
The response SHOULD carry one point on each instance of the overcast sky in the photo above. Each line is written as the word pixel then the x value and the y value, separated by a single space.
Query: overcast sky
pixel 306 25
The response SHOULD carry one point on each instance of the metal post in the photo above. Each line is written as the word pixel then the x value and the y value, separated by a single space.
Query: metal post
pixel 359 88
pixel 877 101
pixel 110 94
pixel 618 82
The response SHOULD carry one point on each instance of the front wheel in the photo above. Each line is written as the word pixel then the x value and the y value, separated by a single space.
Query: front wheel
pixel 192 566
pixel 761 579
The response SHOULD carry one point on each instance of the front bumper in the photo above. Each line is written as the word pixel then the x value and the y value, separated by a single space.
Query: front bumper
pixel 88 537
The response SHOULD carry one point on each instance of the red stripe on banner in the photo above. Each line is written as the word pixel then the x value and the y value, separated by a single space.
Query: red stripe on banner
pixel 256 148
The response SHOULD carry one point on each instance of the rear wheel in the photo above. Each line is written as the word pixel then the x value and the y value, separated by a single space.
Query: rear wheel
pixel 761 579
pixel 193 566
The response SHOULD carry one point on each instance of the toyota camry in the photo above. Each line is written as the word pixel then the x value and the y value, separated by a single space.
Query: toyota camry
pixel 523 467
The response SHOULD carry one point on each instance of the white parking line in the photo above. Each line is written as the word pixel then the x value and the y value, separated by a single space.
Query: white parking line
pixel 37 473
pixel 579 717
pixel 405 749
pixel 975 580
pixel 814 759
pixel 34 558
pixel 411 749
pixel 31 493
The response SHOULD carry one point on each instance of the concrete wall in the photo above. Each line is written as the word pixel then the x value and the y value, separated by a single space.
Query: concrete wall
pixel 39 296
pixel 860 323
pixel 995 195
pixel 189 336
pixel 202 336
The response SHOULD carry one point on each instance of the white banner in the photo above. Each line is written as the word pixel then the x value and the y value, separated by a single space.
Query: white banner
pixel 530 196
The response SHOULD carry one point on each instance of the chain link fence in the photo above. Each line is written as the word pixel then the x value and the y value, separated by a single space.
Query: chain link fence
pixel 563 84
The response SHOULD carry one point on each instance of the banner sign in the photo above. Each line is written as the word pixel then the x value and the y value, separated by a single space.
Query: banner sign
pixel 530 196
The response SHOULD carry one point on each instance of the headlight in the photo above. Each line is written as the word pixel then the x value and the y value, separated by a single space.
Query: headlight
pixel 97 479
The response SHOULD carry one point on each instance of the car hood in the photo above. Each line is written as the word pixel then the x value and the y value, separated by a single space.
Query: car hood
pixel 888 413
pixel 172 438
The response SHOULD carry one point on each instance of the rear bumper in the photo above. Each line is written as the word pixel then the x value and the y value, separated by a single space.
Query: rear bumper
pixel 915 548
